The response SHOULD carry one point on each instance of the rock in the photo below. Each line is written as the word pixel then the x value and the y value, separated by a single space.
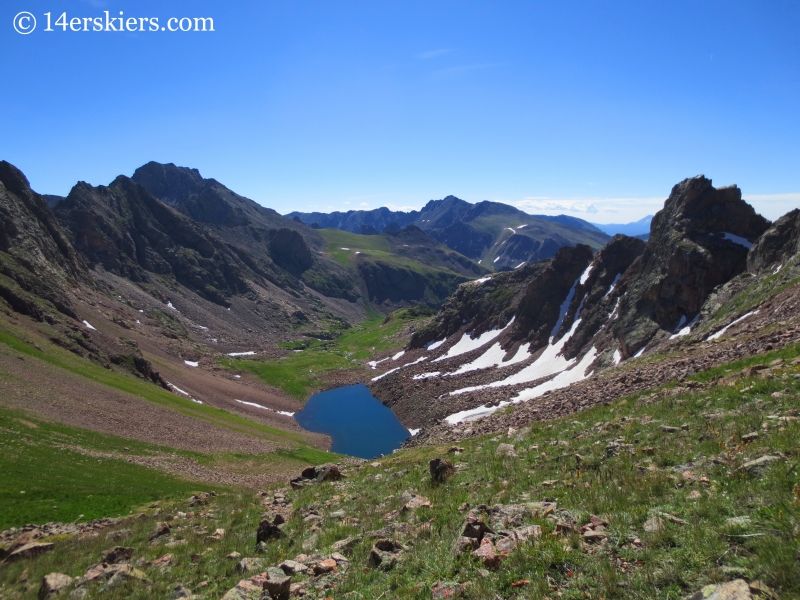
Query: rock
pixel 161 529
pixel 53 584
pixel 277 584
pixel 347 543
pixel 416 502
pixel 488 555
pixel 325 566
pixel 123 574
pixel 249 564
pixel 384 554
pixel 749 437
pixel 669 429
pixel 446 589
pixel 441 469
pixel 269 530
pixel 338 514
pixel 117 554
pixel 179 592
pixel 216 536
pixel 506 449
pixel 654 524
pixel 164 561
pixel 733 590
pixel 234 556
pixel 291 567
pixel 593 536
pixel 758 466
pixel 466 544
pixel 29 551
pixel 244 590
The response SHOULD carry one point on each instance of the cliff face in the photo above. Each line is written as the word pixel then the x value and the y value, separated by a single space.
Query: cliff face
pixel 37 261
pixel 129 232
pixel 699 240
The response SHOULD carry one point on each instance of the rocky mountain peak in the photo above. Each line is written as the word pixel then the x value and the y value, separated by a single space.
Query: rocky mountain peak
pixel 170 183
pixel 695 207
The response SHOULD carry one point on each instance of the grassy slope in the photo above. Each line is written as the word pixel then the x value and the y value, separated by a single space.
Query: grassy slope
pixel 301 373
pixel 64 359
pixel 654 472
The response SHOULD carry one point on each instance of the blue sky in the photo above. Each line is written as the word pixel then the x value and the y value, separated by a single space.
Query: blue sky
pixel 593 109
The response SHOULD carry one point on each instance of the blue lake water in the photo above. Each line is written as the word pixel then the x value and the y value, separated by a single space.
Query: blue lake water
pixel 357 422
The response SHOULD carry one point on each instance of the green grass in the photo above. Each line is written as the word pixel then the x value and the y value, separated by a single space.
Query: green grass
pixel 338 239
pixel 653 472
pixel 301 373
pixel 44 478
pixel 64 359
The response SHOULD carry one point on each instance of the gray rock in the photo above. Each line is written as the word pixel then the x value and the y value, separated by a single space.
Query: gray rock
pixel 758 466
pixel 249 564
pixel 53 584
pixel 507 449
pixel 733 590
pixel 277 584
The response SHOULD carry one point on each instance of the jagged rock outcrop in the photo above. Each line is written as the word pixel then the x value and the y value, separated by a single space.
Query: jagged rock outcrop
pixel 778 246
pixel 699 240
pixel 283 250
pixel 37 261
pixel 129 232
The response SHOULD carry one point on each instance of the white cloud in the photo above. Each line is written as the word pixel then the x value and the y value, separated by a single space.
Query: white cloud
pixel 405 208
pixel 595 209
pixel 364 204
pixel 773 206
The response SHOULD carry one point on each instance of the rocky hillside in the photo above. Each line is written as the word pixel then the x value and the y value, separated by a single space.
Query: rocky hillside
pixel 512 339
pixel 496 235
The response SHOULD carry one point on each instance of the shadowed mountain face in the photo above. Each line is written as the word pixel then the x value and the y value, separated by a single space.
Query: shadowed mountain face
pixel 497 235
pixel 37 261
pixel 554 323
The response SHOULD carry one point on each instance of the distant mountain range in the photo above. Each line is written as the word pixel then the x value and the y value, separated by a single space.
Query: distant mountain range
pixel 640 228
pixel 495 235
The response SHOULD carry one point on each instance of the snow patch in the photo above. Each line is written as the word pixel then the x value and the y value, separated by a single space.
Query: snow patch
pixel 435 345
pixel 169 305
pixel 613 284
pixel 466 344
pixel 722 331
pixel 427 375
pixel 511 230
pixel 375 363
pixel 481 280
pixel 398 355
pixel 617 357
pixel 521 226
pixel 681 331
pixel 344 248
pixel 640 352
pixel 585 275
pixel 248 353
pixel 88 325
pixel 493 357
pixel 191 363
pixel 390 371
pixel 522 264
pixel 414 432
pixel 562 312
pixel 775 272
pixel 496 259
pixel 736 239
pixel 562 380
pixel 280 412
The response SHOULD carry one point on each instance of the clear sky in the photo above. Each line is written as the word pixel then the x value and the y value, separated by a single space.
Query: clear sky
pixel 593 109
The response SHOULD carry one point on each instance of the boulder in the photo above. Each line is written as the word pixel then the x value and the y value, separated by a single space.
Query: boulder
pixel 277 584
pixel 249 564
pixel 384 554
pixel 53 584
pixel 270 530
pixel 733 590
pixel 162 528
pixel 29 551
pixel 117 554
pixel 758 466
pixel 441 469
